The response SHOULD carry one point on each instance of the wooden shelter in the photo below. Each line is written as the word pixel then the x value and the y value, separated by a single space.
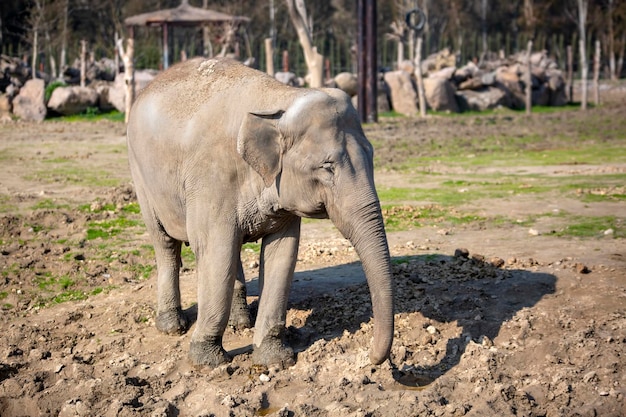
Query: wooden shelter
pixel 183 15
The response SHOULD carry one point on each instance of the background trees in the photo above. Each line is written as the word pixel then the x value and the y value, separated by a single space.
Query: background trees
pixel 53 30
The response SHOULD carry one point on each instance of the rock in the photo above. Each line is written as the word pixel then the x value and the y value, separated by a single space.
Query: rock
pixel 556 86
pixel 533 232
pixel 582 268
pixel 474 83
pixel 488 78
pixel 104 101
pixel 117 90
pixel 347 82
pixel 407 66
pixel 402 92
pixel 288 78
pixel 29 104
pixel 461 253
pixel 444 73
pixel 72 100
pixel 483 99
pixel 5 108
pixel 439 94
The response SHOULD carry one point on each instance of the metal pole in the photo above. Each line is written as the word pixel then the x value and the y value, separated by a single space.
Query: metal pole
pixel 372 62
pixel 361 60
pixel 166 58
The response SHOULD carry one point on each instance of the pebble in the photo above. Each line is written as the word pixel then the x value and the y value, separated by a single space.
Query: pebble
pixel 264 378
pixel 533 232
pixel 432 329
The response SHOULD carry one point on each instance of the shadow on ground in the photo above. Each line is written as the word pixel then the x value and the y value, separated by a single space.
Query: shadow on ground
pixel 477 295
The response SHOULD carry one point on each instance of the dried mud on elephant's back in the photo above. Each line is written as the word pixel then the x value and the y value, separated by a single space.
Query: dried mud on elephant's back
pixel 516 325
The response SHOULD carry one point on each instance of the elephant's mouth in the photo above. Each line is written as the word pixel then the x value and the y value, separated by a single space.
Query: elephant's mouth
pixel 319 212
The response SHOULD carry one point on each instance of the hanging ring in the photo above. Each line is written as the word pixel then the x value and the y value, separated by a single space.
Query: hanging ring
pixel 415 19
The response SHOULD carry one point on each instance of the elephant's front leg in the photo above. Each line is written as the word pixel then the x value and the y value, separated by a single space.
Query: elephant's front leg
pixel 217 261
pixel 279 253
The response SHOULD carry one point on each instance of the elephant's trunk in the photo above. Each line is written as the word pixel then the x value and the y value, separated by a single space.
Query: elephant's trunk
pixel 361 223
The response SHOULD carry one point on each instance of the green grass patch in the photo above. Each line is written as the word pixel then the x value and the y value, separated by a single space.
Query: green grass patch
pixel 252 247
pixel 49 204
pixel 142 271
pixel 91 114
pixel 3 295
pixel 106 229
pixel 587 227
pixel 406 217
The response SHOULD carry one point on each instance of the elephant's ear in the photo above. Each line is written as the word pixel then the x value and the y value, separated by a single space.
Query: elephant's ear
pixel 258 143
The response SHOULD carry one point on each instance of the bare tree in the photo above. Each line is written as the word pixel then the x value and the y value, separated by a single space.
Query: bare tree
pixel 314 60
pixel 584 69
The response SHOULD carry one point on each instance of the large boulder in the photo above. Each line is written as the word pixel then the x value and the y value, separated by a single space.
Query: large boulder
pixel 72 100
pixel 347 82
pixel 439 94
pixel 402 92
pixel 483 99
pixel 556 85
pixel 5 108
pixel 288 78
pixel 116 94
pixel 30 104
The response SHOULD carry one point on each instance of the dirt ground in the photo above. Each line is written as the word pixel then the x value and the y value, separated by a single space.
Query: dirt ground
pixel 490 319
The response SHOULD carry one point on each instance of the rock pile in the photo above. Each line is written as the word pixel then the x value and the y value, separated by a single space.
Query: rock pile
pixel 496 82
pixel 32 99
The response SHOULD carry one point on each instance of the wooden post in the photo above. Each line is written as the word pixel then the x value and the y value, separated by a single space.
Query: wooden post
pixel 596 74
pixel 570 74
pixel 529 79
pixel 418 75
pixel 285 61
pixel 269 56
pixel 83 59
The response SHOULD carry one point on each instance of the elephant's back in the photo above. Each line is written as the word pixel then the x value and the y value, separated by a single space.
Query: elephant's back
pixel 183 89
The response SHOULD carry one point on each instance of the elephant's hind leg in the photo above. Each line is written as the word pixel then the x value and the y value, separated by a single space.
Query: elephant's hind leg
pixel 239 312
pixel 170 318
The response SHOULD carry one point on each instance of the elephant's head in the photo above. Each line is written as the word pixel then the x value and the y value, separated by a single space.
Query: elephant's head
pixel 315 152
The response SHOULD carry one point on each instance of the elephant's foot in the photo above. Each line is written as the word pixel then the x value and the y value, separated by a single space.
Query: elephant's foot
pixel 208 352
pixel 172 321
pixel 272 350
pixel 239 314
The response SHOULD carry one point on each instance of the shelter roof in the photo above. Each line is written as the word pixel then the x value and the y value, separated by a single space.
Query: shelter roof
pixel 183 15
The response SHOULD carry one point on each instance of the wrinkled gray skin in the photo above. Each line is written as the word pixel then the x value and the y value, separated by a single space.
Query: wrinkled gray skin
pixel 220 155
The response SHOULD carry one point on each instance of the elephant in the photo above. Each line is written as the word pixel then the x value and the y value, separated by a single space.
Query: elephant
pixel 222 154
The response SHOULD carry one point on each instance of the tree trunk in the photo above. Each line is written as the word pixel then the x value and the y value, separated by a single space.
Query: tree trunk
pixel 529 79
pixel 596 74
pixel 570 74
pixel 314 60
pixel 611 41
pixel 129 74
pixel 34 58
pixel 584 70
pixel 269 56
pixel 418 75
pixel 83 63
pixel 63 58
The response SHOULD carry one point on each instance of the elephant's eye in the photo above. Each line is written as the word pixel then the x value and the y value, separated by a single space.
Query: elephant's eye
pixel 329 166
